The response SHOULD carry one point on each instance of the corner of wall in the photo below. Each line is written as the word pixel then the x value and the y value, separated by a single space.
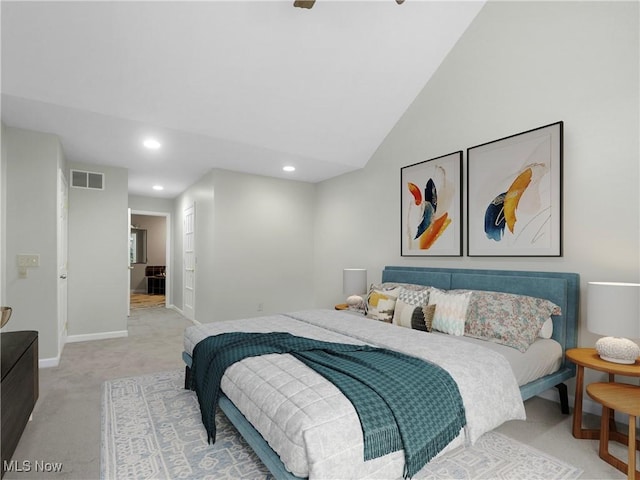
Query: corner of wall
pixel 3 213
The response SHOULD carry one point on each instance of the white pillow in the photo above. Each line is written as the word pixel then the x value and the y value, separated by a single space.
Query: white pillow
pixel 547 329
pixel 407 301
pixel 451 311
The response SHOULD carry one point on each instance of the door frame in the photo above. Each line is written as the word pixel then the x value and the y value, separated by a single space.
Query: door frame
pixel 167 285
pixel 62 258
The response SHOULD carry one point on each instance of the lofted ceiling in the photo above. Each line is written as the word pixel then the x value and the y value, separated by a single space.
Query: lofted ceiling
pixel 248 86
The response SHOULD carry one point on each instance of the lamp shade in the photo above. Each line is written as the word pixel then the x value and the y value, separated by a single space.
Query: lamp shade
pixel 613 309
pixel 354 281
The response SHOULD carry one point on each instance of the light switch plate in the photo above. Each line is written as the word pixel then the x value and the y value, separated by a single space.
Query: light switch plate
pixel 28 260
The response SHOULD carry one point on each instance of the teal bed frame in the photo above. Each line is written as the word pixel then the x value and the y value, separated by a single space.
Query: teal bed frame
pixel 561 288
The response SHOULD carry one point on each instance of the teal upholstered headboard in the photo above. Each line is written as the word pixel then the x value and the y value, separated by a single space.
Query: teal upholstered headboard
pixel 561 288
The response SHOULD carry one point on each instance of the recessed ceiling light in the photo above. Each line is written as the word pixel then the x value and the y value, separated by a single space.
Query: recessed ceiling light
pixel 152 144
pixel 289 168
pixel 158 187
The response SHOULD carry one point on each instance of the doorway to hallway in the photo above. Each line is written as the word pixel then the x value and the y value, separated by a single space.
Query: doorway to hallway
pixel 149 245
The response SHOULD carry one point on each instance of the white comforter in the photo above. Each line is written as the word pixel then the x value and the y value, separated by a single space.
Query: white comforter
pixel 313 427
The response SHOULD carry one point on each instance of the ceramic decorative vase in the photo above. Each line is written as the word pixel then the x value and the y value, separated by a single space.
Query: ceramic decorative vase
pixel 618 350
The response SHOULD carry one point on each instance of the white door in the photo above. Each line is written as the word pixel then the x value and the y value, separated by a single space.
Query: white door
pixel 189 262
pixel 63 222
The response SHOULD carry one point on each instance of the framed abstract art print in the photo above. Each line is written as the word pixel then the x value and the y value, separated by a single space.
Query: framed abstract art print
pixel 431 212
pixel 514 195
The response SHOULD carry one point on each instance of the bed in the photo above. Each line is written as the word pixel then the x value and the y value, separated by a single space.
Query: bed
pixel 312 426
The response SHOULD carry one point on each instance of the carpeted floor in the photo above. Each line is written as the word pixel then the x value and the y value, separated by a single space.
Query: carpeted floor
pixel 66 426
pixel 151 428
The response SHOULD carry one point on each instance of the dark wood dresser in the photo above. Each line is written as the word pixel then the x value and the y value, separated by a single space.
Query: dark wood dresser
pixel 19 387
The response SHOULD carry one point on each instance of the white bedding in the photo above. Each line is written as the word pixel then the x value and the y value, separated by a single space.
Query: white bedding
pixel 313 427
pixel 543 357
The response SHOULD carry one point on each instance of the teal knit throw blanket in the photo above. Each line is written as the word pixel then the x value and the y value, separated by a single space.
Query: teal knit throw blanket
pixel 402 402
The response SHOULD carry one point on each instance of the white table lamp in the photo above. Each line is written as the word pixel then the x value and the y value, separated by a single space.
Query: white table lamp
pixel 354 284
pixel 613 309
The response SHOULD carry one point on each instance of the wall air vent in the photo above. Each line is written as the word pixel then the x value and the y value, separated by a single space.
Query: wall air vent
pixel 91 180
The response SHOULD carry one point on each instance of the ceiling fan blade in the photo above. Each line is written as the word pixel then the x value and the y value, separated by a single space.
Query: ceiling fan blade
pixel 304 3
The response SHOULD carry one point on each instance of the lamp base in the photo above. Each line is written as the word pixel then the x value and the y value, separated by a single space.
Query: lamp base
pixel 618 350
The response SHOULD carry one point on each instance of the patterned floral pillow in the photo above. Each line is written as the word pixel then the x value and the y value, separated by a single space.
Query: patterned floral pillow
pixel 451 311
pixel 507 319
pixel 408 300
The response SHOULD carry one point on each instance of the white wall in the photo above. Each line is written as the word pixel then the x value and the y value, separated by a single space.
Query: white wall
pixel 32 160
pixel 520 65
pixel 150 204
pixel 98 257
pixel 3 214
pixel 254 245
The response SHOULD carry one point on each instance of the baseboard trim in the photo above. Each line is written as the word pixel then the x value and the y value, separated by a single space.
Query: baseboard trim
pixel 588 405
pixel 88 337
pixel 174 308
pixel 49 362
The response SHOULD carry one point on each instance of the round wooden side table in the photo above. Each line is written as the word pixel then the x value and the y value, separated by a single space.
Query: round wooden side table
pixel 589 358
pixel 624 398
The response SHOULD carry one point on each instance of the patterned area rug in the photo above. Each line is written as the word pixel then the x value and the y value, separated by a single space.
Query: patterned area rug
pixel 151 429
